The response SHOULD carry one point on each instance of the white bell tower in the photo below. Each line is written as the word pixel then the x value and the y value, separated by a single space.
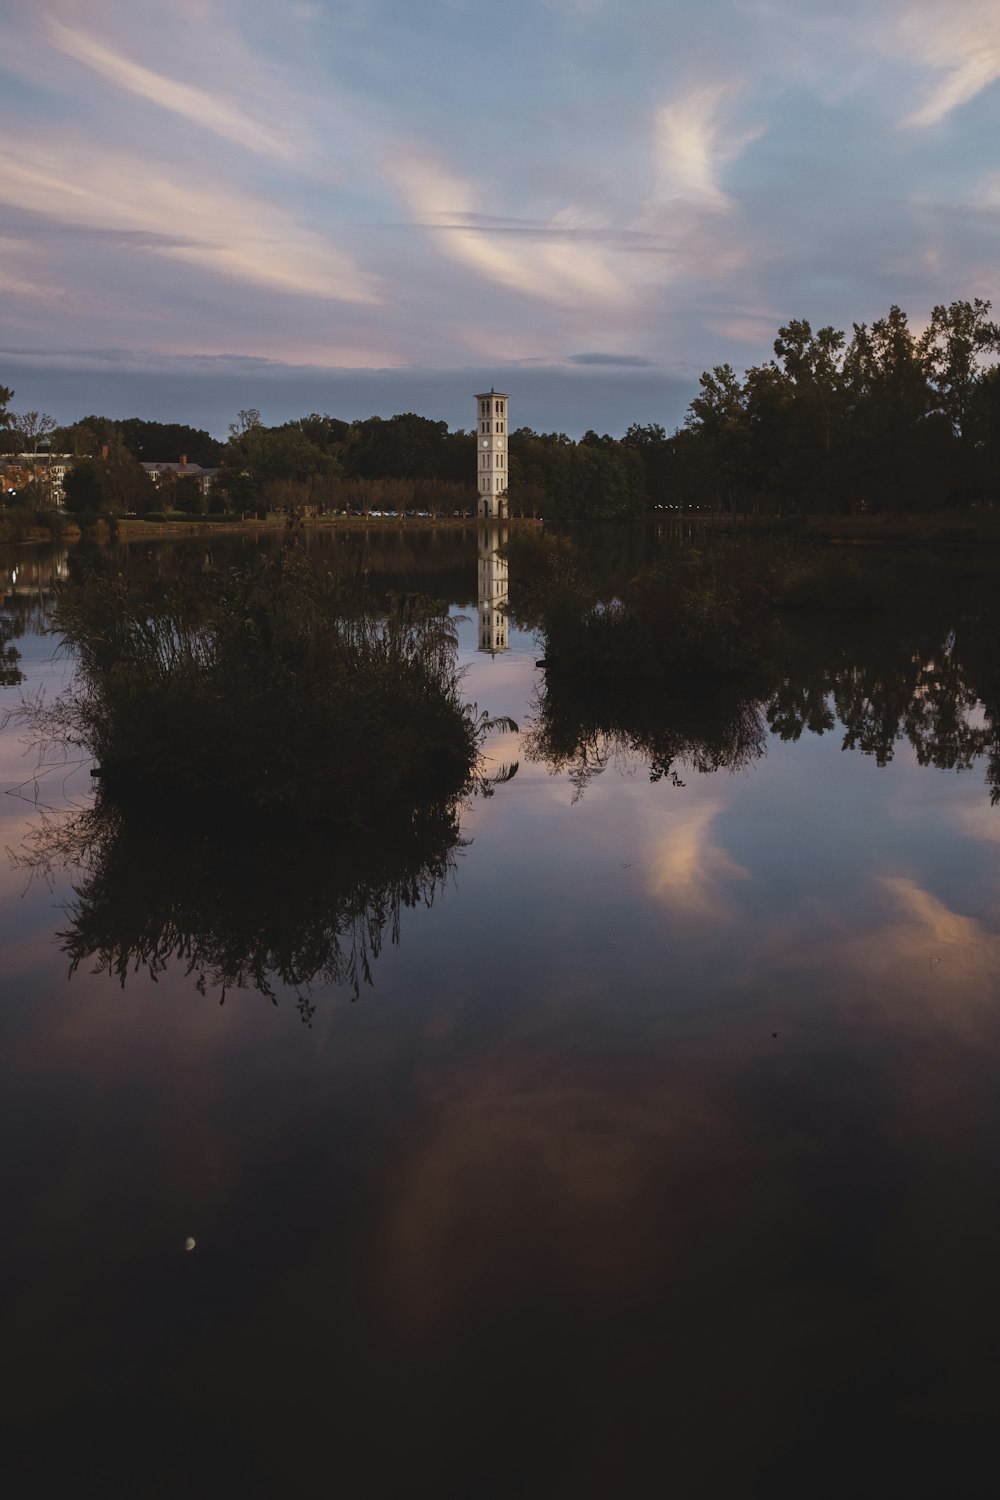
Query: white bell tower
pixel 491 447
pixel 494 630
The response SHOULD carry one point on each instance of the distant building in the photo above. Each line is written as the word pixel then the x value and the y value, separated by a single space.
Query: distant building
pixel 491 449
pixel 181 470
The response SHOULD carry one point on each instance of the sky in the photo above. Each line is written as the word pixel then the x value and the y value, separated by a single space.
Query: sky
pixel 371 206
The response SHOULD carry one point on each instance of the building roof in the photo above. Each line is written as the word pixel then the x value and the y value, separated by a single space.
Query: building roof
pixel 179 469
pixel 485 395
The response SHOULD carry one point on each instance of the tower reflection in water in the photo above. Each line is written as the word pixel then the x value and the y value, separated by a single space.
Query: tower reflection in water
pixel 493 622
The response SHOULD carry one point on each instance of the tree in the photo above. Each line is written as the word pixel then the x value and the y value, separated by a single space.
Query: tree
pixel 256 456
pixel 811 364
pixel 168 442
pixel 83 492
pixel 718 415
pixel 407 446
pixel 105 488
pixel 893 456
pixel 956 341
pixel 985 429
pixel 328 433
pixel 32 427
pixel 770 480
pixel 186 495
pixel 78 439
pixel 652 446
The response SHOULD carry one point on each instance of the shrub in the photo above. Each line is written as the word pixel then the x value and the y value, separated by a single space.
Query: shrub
pixel 275 688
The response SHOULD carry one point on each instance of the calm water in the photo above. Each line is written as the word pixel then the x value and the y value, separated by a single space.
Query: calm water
pixel 660 1156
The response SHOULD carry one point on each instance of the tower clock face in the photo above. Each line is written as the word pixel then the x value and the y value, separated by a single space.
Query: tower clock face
pixel 486 442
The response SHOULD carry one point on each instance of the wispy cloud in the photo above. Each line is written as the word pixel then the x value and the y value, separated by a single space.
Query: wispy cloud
pixel 566 226
pixel 756 328
pixel 961 42
pixel 203 160
pixel 633 361
pixel 20 276
pixel 210 225
pixel 693 142
pixel 211 111
pixel 558 266
pixel 192 364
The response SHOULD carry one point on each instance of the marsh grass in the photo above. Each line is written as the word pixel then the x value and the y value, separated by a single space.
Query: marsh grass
pixel 272 689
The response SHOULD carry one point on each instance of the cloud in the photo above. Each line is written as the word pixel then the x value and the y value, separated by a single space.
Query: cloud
pixel 561 227
pixel 752 329
pixel 555 267
pixel 209 110
pixel 213 226
pixel 25 283
pixel 692 144
pixel 961 41
pixel 633 361
pixel 190 364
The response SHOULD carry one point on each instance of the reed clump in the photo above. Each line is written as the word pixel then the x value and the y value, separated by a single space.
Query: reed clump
pixel 275 688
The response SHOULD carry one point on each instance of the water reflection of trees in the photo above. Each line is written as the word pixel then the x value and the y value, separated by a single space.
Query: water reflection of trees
pixel 583 734
pixel 437 561
pixel 10 672
pixel 273 912
pixel 27 581
pixel 922 672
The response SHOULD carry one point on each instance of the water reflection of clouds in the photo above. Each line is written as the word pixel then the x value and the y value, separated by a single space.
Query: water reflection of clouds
pixel 977 823
pixel 945 956
pixel 499 750
pixel 689 869
pixel 597 1147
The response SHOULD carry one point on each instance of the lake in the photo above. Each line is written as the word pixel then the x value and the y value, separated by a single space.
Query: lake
pixel 638 1133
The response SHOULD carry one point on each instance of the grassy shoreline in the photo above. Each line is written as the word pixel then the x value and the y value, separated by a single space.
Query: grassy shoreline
pixel 943 529
pixel 140 530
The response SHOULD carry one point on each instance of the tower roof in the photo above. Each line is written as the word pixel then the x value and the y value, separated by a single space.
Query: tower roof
pixel 485 395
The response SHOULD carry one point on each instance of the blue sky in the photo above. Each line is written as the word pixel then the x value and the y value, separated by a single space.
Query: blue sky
pixel 368 205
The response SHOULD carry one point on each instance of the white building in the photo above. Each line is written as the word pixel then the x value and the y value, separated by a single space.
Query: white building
pixel 491 447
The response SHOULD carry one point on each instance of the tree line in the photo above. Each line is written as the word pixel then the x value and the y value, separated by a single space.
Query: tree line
pixel 892 419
